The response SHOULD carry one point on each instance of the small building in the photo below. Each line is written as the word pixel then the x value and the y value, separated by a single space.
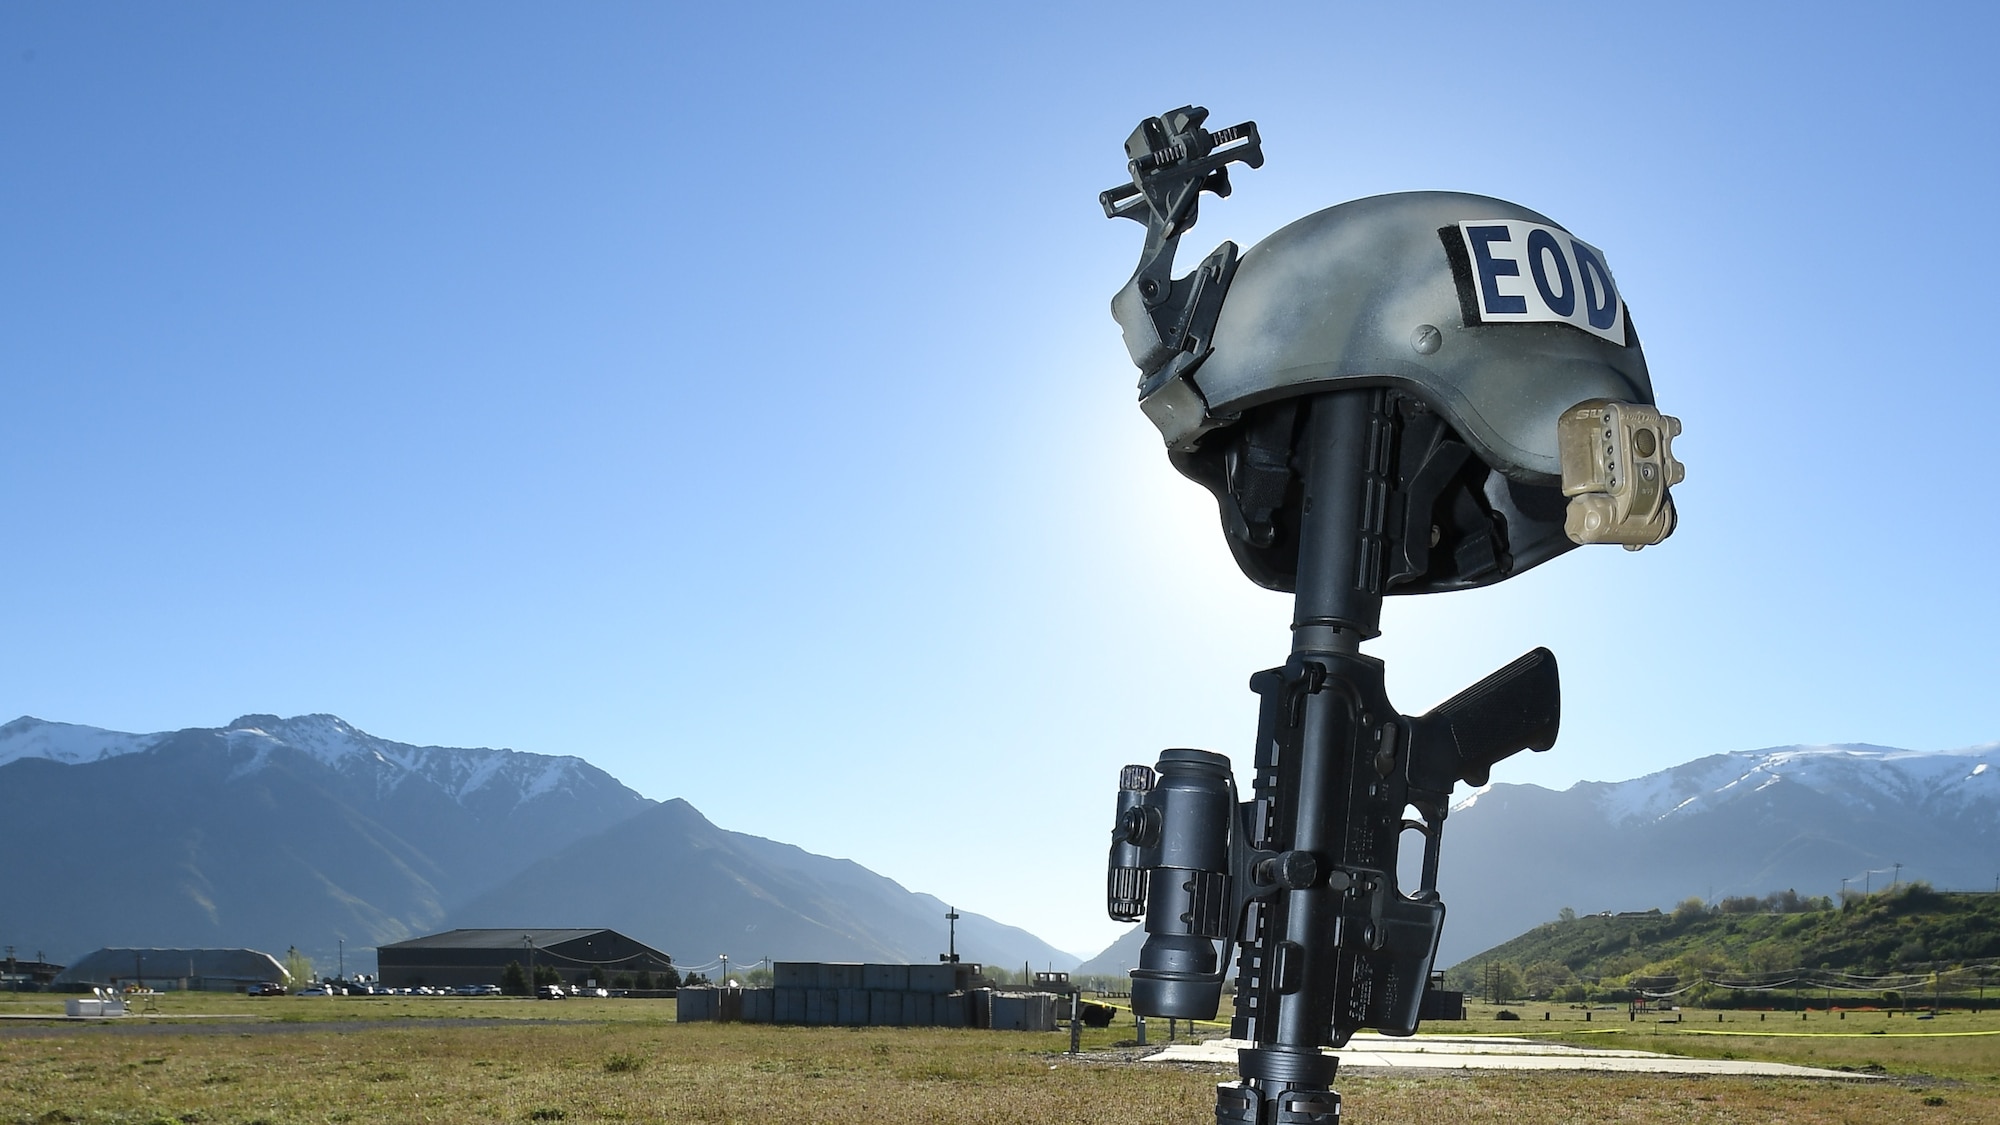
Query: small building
pixel 17 975
pixel 171 970
pixel 1439 1002
pixel 842 994
pixel 480 957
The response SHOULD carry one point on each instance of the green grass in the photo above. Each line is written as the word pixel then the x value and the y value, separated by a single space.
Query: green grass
pixel 197 1006
pixel 1955 1046
pixel 616 1061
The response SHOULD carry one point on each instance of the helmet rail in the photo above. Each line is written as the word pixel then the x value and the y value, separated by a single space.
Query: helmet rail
pixel 1172 160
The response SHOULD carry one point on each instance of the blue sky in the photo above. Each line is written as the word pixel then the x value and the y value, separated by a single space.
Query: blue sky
pixel 729 396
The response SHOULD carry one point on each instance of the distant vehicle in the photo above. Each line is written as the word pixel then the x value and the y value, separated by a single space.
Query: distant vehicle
pixel 267 988
pixel 549 992
pixel 316 990
pixel 600 992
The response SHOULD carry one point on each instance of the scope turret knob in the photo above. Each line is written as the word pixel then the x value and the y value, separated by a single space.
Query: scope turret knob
pixel 1135 779
pixel 1140 826
pixel 1291 870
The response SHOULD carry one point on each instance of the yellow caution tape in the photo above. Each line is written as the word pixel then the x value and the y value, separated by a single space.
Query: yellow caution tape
pixel 1637 1030
pixel 1127 1009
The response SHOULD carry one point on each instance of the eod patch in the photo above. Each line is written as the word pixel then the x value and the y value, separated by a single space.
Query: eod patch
pixel 1515 272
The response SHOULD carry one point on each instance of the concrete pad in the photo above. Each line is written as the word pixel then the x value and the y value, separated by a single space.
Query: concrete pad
pixel 1368 1053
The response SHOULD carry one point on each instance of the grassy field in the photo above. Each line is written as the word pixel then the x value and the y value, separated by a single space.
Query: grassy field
pixel 424 1060
pixel 1955 1046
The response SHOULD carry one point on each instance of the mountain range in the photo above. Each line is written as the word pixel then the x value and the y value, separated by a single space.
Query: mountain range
pixel 273 833
pixel 1743 823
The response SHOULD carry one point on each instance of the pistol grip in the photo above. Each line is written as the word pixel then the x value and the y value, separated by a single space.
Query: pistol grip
pixel 1516 708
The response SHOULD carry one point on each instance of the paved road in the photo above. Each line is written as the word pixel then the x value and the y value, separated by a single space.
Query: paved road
pixel 1374 1053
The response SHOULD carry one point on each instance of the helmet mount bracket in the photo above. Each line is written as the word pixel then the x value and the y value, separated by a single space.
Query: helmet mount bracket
pixel 1168 323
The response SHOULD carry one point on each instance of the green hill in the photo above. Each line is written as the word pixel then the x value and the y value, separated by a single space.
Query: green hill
pixel 1871 949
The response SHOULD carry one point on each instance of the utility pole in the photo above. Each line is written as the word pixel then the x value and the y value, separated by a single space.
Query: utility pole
pixel 724 982
pixel 1899 874
pixel 343 957
pixel 951 918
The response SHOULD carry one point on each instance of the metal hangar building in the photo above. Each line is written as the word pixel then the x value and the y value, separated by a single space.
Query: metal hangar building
pixel 458 957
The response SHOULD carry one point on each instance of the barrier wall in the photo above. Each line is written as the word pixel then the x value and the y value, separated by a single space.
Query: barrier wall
pixel 830 995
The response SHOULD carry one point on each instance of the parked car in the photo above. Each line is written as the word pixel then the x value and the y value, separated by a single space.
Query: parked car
pixel 549 992
pixel 316 990
pixel 267 988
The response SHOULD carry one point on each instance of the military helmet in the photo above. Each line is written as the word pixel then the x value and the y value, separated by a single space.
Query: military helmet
pixel 1507 331
pixel 1386 291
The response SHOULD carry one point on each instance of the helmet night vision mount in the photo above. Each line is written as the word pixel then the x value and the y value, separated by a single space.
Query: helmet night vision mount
pixel 1404 394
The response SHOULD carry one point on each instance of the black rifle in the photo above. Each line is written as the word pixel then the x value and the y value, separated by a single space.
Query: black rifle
pixel 1302 877
pixel 1340 479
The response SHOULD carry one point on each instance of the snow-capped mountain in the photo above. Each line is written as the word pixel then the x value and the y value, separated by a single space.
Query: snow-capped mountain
pixel 1866 778
pixel 478 776
pixel 1742 823
pixel 272 833
pixel 68 743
